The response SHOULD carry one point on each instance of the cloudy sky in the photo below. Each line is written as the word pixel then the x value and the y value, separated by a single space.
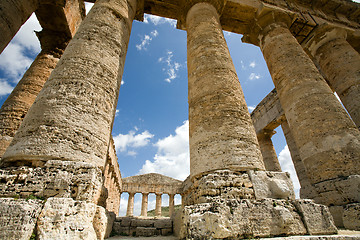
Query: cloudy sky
pixel 151 123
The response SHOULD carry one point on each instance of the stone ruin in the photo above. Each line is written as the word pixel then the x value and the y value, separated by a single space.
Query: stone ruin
pixel 59 175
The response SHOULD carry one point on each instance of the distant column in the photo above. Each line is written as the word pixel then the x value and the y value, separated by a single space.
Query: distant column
pixel 340 63
pixel 144 204
pixel 268 151
pixel 222 135
pixel 72 116
pixel 171 204
pixel 13 14
pixel 158 205
pixel 130 207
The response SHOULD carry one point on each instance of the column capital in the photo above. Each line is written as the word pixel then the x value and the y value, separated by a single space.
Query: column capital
pixel 266 19
pixel 186 5
pixel 53 42
pixel 266 133
pixel 322 35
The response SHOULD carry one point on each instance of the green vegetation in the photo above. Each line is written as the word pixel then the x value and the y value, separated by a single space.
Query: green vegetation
pixel 164 211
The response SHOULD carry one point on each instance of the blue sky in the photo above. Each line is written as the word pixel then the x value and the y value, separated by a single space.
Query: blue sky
pixel 151 124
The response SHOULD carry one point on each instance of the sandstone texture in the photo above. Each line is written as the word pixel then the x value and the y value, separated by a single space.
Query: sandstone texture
pixel 18 217
pixel 81 181
pixel 351 216
pixel 221 132
pixel 65 218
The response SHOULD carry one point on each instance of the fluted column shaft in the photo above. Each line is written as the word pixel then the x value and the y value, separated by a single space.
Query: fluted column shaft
pixel 144 204
pixel 222 135
pixel 327 139
pixel 171 204
pixel 341 65
pixel 130 206
pixel 268 151
pixel 13 14
pixel 72 116
pixel 158 205
pixel 306 190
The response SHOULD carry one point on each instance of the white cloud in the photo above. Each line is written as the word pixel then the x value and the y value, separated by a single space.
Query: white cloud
pixel 172 67
pixel 132 140
pixel 252 64
pixel 156 20
pixel 117 112
pixel 15 59
pixel 254 76
pixel 5 87
pixel 172 157
pixel 288 166
pixel 146 40
pixel 122 82
pixel 242 65
pixel 88 7
pixel 251 108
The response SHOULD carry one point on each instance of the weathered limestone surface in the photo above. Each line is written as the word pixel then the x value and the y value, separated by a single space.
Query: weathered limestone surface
pixel 269 155
pixel 18 217
pixel 221 132
pixel 144 204
pixel 72 116
pixel 13 14
pixel 351 213
pixel 130 206
pixel 81 181
pixel 327 139
pixel 341 64
pixel 64 218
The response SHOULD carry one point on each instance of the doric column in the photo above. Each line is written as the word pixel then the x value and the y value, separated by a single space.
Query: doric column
pixel 72 116
pixel 13 14
pixel 171 204
pixel 130 206
pixel 16 106
pixel 306 190
pixel 341 65
pixel 222 135
pixel 327 139
pixel 158 205
pixel 268 151
pixel 144 204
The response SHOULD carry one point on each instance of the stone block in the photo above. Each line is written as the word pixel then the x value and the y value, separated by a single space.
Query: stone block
pixel 146 232
pixel 351 216
pixel 63 179
pixel 103 221
pixel 124 221
pixel 64 218
pixel 18 217
pixel 234 219
pixel 268 184
pixel 166 231
pixel 142 223
pixel 163 223
pixel 317 218
pixel 118 230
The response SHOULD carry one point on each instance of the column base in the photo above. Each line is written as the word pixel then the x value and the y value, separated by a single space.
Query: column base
pixel 233 205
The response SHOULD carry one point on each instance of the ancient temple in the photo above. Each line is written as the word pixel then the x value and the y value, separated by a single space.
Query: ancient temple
pixel 59 175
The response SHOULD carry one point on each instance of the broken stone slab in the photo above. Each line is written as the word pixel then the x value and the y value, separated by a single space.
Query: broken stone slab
pixel 103 221
pixel 142 223
pixel 351 216
pixel 163 223
pixel 268 184
pixel 317 218
pixel 65 218
pixel 18 217
pixel 147 231
pixel 65 179
pixel 241 219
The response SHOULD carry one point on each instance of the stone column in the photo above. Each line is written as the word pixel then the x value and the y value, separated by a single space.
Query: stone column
pixel 306 190
pixel 130 206
pixel 72 116
pixel 13 14
pixel 268 151
pixel 144 204
pixel 341 65
pixel 16 106
pixel 171 204
pixel 158 205
pixel 222 135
